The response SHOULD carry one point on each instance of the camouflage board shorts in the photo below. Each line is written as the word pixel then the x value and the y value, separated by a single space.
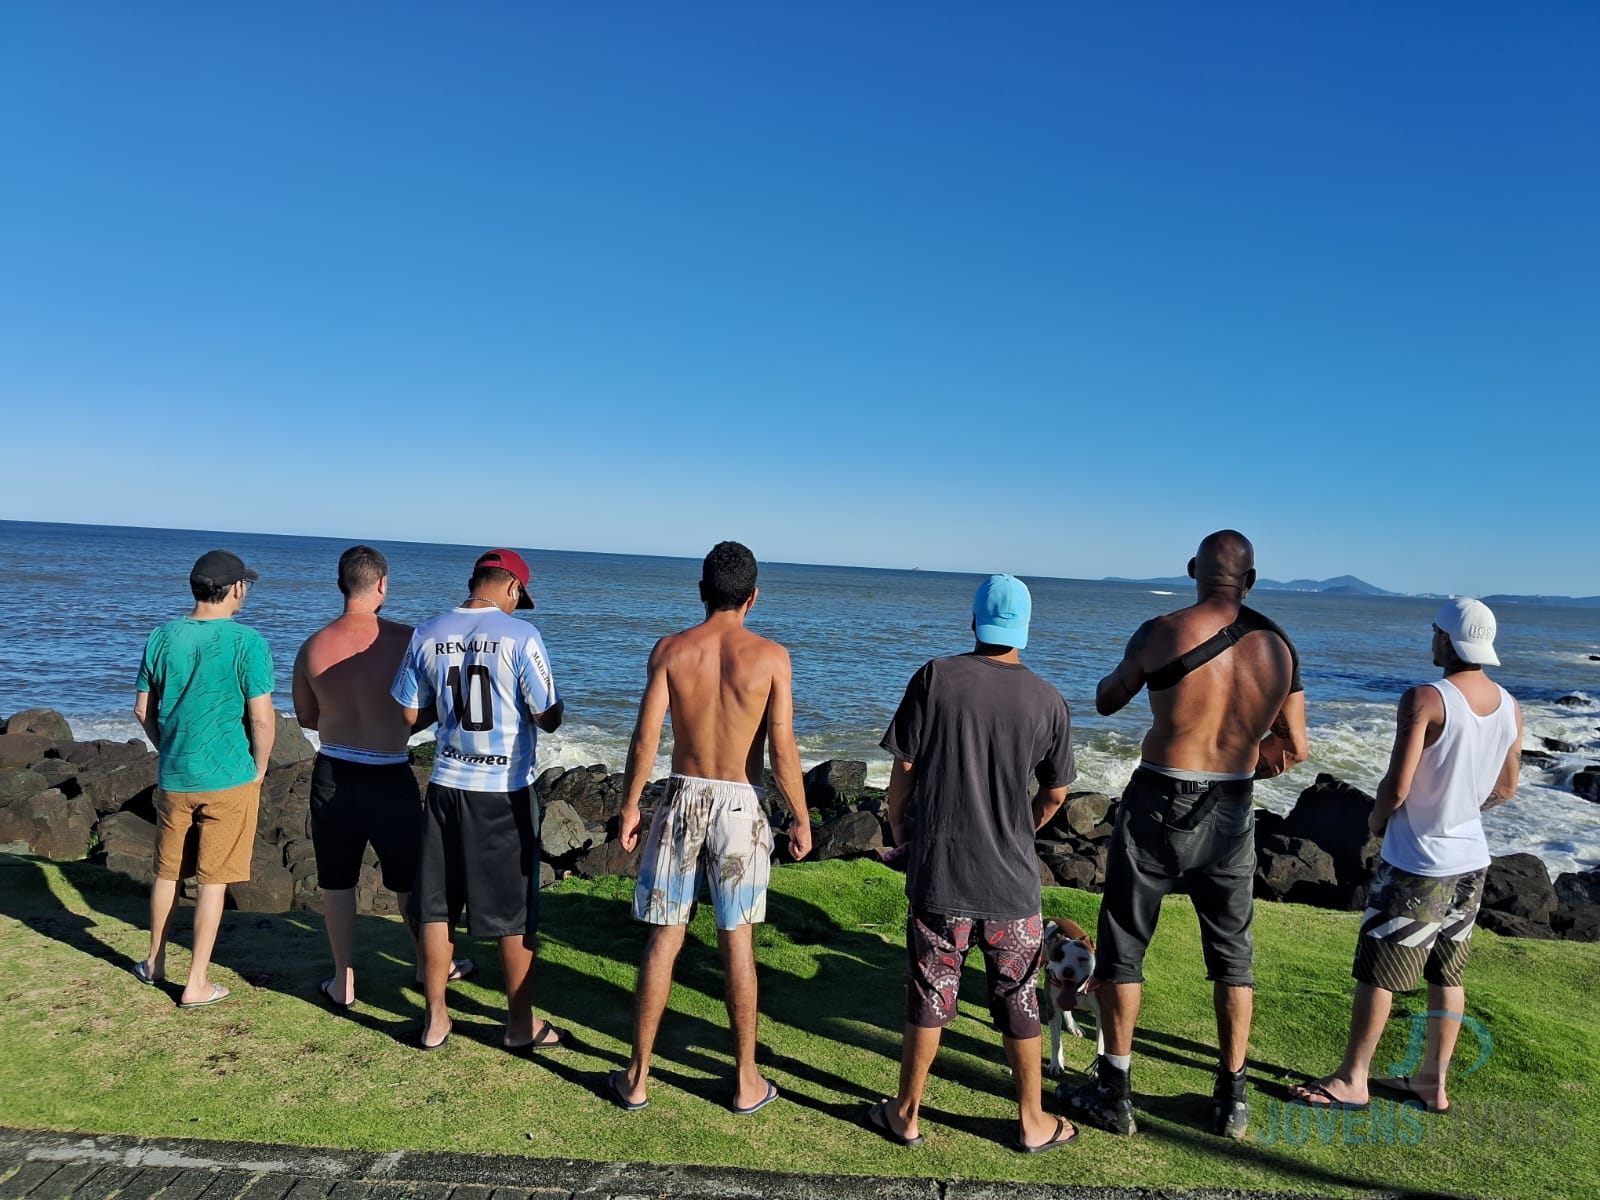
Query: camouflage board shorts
pixel 1417 926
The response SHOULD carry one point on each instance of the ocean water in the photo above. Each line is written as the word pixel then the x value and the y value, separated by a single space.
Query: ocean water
pixel 76 603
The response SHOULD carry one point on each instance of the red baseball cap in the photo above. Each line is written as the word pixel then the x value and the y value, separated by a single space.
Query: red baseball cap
pixel 509 560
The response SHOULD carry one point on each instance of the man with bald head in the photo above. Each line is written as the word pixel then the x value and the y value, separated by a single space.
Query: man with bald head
pixel 1227 708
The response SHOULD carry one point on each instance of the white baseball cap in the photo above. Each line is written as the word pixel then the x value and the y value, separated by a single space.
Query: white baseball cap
pixel 1470 627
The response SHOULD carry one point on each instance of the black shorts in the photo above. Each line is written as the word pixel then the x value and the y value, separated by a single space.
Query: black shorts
pixel 356 803
pixel 1174 835
pixel 480 851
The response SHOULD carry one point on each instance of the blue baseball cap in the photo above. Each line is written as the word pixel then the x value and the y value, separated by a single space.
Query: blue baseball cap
pixel 1000 611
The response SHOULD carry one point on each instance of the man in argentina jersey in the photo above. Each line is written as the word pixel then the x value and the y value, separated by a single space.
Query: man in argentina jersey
pixel 485 677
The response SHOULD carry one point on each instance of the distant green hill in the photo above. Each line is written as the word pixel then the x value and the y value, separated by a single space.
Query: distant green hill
pixel 1344 585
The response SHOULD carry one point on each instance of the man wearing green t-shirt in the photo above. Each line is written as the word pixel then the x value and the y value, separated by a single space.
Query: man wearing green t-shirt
pixel 203 677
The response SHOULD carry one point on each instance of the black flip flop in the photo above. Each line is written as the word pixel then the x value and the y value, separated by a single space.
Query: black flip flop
pixel 1401 1086
pixel 419 1043
pixel 615 1089
pixel 1056 1140
pixel 325 989
pixel 1334 1104
pixel 549 1037
pixel 878 1120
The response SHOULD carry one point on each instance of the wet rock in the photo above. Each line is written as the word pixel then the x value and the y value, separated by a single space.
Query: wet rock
pixel 128 843
pixel 1083 814
pixel 548 776
pixel 270 889
pixel 1586 783
pixel 1072 870
pixel 1511 925
pixel 834 785
pixel 1578 887
pixel 1557 746
pixel 848 835
pixel 1538 758
pixel 1296 870
pixel 1577 923
pixel 1573 701
pixel 289 746
pixel 1333 815
pixel 24 749
pixel 44 721
pixel 1519 885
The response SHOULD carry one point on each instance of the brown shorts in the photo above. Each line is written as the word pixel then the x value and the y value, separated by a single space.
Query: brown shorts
pixel 936 950
pixel 209 835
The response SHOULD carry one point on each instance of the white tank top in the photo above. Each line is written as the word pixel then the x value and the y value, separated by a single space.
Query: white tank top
pixel 1437 831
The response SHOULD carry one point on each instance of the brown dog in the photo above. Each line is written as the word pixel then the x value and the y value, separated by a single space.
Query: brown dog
pixel 1069 986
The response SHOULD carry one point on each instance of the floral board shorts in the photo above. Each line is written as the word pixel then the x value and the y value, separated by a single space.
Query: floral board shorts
pixel 706 832
pixel 1417 925
pixel 936 950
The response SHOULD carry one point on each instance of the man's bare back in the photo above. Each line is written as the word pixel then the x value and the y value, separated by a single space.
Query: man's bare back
pixel 341 683
pixel 1234 715
pixel 720 684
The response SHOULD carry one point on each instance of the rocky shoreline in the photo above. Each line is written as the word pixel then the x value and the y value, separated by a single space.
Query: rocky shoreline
pixel 67 799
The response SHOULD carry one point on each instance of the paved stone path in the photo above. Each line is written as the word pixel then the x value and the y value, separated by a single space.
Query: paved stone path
pixel 62 1166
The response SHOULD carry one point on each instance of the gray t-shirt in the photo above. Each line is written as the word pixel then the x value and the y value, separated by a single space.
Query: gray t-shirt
pixel 978 731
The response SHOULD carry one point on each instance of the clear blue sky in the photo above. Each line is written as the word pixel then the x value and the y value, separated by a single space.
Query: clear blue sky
pixel 1053 289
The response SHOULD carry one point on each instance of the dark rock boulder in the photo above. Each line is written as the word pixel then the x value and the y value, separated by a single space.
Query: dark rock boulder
pixel 833 786
pixel 1564 701
pixel 1333 815
pixel 1297 870
pixel 289 746
pixel 49 823
pixel 548 776
pixel 24 749
pixel 18 783
pixel 1538 758
pixel 372 898
pixel 1510 925
pixel 102 752
pixel 1072 870
pixel 609 858
pixel 562 833
pixel 1587 783
pixel 588 792
pixel 1558 746
pixel 1577 923
pixel 45 721
pixel 128 843
pixel 848 835
pixel 1578 888
pixel 63 776
pixel 125 785
pixel 1519 886
pixel 1082 816
pixel 271 888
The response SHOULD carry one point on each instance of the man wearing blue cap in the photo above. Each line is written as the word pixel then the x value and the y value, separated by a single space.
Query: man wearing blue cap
pixel 970 732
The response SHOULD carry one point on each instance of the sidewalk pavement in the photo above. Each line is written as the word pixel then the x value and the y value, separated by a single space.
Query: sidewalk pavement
pixel 65 1166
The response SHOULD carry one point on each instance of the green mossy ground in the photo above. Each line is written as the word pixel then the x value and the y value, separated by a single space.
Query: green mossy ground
pixel 89 1048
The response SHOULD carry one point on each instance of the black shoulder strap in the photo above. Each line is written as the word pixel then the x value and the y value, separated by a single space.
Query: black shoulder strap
pixel 1162 678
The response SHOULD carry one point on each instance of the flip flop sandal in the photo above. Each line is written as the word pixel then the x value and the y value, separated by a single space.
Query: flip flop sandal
pixel 549 1037
pixel 325 988
pixel 1401 1085
pixel 419 1043
pixel 218 993
pixel 772 1094
pixel 1333 1102
pixel 878 1119
pixel 461 968
pixel 614 1080
pixel 141 972
pixel 1056 1140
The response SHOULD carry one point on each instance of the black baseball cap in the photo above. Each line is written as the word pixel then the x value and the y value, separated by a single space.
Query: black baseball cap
pixel 220 568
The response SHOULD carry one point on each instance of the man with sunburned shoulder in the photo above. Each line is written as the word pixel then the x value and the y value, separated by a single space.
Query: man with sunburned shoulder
pixel 728 691
pixel 1227 708
pixel 362 788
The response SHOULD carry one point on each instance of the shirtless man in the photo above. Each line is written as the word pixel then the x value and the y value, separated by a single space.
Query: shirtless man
pixel 362 788
pixel 1227 708
pixel 728 692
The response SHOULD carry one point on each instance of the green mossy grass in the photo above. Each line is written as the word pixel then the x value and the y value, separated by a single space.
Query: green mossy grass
pixel 89 1048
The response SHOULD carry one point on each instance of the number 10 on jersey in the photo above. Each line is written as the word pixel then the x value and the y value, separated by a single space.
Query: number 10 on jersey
pixel 477 697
